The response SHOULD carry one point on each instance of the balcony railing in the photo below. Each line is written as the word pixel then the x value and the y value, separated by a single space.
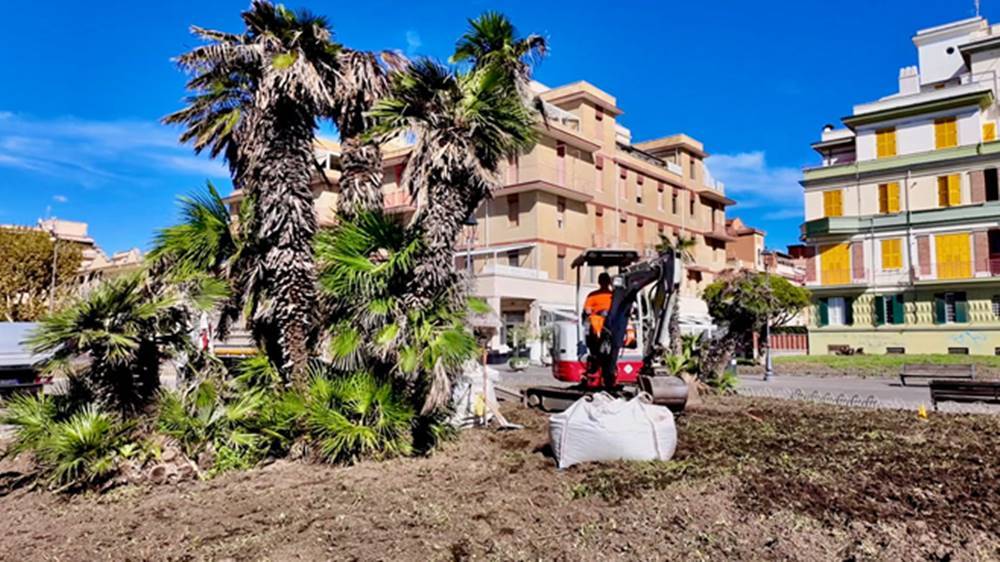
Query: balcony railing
pixel 994 265
pixel 512 271
pixel 559 115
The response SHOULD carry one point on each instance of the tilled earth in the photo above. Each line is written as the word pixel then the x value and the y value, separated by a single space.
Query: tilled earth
pixel 752 479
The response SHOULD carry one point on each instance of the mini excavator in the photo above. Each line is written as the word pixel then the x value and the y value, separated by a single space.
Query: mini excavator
pixel 627 357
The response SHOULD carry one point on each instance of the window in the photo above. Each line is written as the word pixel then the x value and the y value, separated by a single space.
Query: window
pixel 659 197
pixel 889 309
pixel 513 210
pixel 885 142
pixel 895 351
pixel 949 190
pixel 950 308
pixel 989 131
pixel 888 198
pixel 836 311
pixel 623 228
pixel 561 265
pixel 691 202
pixel 599 221
pixel 833 203
pixel 692 167
pixel 560 212
pixel 953 256
pixel 958 351
pixel 996 306
pixel 599 113
pixel 673 202
pixel 598 172
pixel 638 190
pixel 945 133
pixel 892 255
pixel 835 264
pixel 514 258
pixel 992 192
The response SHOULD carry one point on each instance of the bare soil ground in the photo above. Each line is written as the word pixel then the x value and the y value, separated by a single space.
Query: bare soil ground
pixel 752 479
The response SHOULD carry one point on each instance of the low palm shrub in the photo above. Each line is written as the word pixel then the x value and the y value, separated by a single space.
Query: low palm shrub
pixel 353 416
pixel 75 449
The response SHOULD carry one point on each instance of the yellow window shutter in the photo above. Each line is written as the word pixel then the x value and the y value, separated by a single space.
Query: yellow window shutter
pixel 885 142
pixel 989 131
pixel 892 255
pixel 892 196
pixel 945 133
pixel 833 203
pixel 954 190
pixel 883 198
pixel 953 260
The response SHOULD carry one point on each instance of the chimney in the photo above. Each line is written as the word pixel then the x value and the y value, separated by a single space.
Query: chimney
pixel 909 80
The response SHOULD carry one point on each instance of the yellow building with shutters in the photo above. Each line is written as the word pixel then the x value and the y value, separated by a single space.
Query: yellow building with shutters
pixel 902 231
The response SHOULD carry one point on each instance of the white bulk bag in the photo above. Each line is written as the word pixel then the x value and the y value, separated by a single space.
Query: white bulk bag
pixel 467 394
pixel 606 429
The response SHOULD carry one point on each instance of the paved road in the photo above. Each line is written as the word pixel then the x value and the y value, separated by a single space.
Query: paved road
pixel 848 391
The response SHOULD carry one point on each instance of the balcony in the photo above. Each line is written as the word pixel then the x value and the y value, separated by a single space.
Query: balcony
pixel 398 201
pixel 833 226
pixel 994 265
pixel 512 271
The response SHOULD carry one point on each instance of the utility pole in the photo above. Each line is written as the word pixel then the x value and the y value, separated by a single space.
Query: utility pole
pixel 768 365
pixel 55 263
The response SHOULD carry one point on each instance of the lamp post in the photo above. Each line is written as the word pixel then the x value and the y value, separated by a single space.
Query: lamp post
pixel 768 365
pixel 470 239
pixel 55 263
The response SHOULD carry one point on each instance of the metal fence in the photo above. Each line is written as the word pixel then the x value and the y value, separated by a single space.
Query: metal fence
pixel 849 400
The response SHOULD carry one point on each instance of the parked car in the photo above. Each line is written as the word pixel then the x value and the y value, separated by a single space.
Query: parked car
pixel 18 365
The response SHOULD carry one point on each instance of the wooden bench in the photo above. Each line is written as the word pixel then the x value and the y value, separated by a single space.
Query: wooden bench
pixel 964 391
pixel 926 371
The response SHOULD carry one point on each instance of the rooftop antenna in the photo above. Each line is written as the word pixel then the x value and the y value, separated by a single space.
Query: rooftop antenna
pixel 976 2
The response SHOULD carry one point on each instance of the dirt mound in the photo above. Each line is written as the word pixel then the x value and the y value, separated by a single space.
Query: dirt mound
pixel 752 479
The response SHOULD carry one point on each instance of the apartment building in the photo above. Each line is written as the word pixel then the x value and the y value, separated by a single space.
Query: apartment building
pixel 746 248
pixel 902 231
pixel 585 184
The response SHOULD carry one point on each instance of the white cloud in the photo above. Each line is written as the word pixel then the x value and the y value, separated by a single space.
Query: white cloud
pixel 92 153
pixel 60 198
pixel 771 190
pixel 413 42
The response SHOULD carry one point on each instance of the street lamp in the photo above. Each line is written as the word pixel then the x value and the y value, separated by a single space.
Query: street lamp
pixel 470 223
pixel 768 365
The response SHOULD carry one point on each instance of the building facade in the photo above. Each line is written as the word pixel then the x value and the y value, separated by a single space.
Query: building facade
pixel 902 231
pixel 585 184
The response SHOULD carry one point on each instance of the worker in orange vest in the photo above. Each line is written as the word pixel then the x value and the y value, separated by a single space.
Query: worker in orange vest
pixel 595 313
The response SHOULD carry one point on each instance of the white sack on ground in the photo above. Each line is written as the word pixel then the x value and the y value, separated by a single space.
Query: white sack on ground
pixel 609 429
pixel 467 394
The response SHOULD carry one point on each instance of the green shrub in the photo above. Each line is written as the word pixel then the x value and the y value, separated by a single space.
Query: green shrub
pixel 353 416
pixel 32 417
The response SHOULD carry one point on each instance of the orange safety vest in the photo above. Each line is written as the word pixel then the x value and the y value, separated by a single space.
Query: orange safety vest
pixel 596 306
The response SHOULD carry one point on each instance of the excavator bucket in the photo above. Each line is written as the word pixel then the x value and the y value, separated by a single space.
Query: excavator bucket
pixel 665 390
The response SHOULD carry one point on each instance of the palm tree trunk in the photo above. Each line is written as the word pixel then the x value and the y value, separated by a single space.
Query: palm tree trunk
pixel 441 224
pixel 361 177
pixel 277 178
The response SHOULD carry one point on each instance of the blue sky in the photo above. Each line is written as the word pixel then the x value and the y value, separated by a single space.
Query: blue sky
pixel 84 88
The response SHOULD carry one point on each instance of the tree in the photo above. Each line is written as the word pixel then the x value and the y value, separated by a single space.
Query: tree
pixel 205 241
pixel 26 271
pixel 743 301
pixel 684 248
pixel 360 83
pixel 492 41
pixel 465 124
pixel 256 98
pixel 113 340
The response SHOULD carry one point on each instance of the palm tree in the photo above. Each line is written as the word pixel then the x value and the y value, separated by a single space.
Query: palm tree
pixel 119 334
pixel 465 124
pixel 493 41
pixel 360 83
pixel 256 99
pixel 204 242
pixel 683 247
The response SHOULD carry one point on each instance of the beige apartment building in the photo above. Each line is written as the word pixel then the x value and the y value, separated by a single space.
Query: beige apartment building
pixel 585 184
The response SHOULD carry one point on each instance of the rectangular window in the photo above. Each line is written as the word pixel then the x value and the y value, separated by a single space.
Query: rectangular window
pixel 691 202
pixel 885 142
pixel 989 131
pixel 599 223
pixel 623 228
pixel 992 191
pixel 561 268
pixel 835 264
pixel 673 202
pixel 958 351
pixel 996 306
pixel 838 314
pixel 895 351
pixel 599 172
pixel 513 210
pixel 945 133
pixel 833 203
pixel 892 254
pixel 599 113
pixel 560 212
pixel 888 198
pixel 638 191
pixel 513 258
pixel 951 308
pixel 889 309
pixel 659 197
pixel 692 168
pixel 949 190
pixel 953 256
